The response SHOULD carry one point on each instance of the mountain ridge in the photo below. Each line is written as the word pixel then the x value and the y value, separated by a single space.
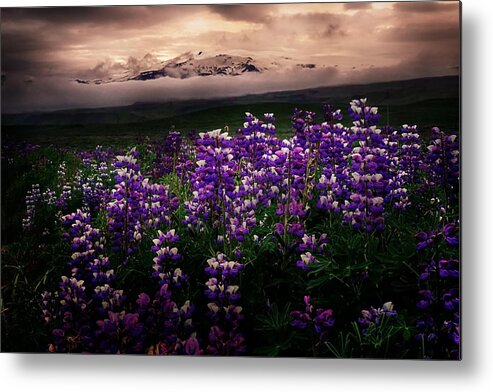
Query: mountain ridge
pixel 185 66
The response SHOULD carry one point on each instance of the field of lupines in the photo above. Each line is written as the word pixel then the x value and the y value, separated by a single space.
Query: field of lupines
pixel 334 242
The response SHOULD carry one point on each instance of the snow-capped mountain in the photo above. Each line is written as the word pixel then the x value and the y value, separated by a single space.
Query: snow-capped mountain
pixel 190 65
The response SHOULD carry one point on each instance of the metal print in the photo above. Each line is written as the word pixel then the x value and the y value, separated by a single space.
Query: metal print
pixel 221 180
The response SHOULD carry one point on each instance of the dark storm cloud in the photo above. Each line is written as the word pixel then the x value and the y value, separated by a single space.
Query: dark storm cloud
pixel 333 30
pixel 425 6
pixel 436 61
pixel 254 13
pixel 27 40
pixel 47 40
pixel 318 25
pixel 357 6
pixel 27 50
pixel 417 32
pixel 100 17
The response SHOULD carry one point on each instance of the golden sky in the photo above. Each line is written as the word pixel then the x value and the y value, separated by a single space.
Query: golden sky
pixel 358 42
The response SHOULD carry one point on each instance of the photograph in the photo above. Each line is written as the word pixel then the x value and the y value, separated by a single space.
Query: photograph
pixel 259 180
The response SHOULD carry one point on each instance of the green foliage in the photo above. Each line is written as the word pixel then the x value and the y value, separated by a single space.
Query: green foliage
pixel 274 332
pixel 386 339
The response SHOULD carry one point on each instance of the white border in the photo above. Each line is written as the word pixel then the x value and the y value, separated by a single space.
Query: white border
pixel 112 373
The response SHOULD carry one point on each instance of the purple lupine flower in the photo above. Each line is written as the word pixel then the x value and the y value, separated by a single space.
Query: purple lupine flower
pixel 306 259
pixel 192 346
pixel 225 337
pixel 321 320
pixel 374 316
pixel 445 233
pixel 448 233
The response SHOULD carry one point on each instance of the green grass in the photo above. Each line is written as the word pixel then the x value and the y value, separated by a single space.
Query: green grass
pixel 443 113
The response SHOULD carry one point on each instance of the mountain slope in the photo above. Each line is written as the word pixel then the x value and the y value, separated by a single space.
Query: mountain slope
pixel 186 66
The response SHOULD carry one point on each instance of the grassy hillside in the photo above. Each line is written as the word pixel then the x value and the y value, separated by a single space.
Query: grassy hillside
pixel 443 113
pixel 427 102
